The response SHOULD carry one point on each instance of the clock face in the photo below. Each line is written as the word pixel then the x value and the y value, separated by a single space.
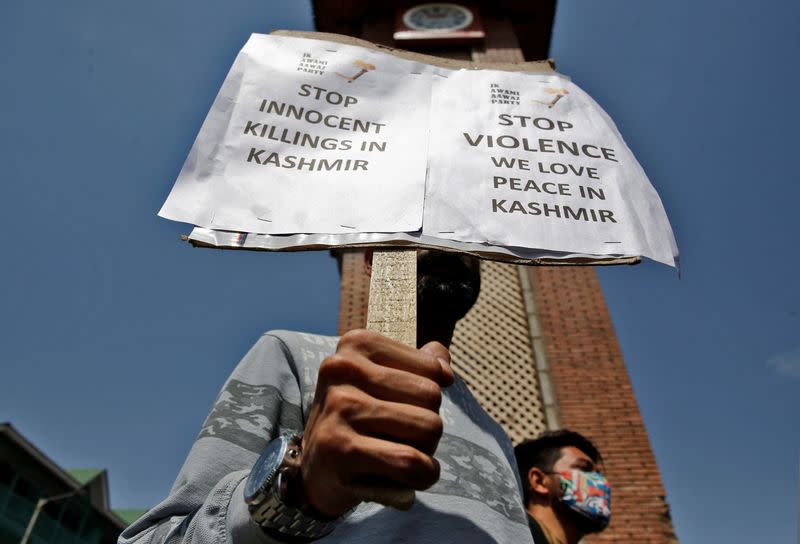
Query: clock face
pixel 438 17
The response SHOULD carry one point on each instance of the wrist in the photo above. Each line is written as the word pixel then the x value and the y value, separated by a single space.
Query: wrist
pixel 275 496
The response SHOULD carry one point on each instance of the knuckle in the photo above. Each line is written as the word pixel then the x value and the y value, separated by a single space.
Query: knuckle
pixel 422 470
pixel 337 367
pixel 348 447
pixel 357 339
pixel 331 439
pixel 436 349
pixel 318 441
pixel 345 401
pixel 408 459
pixel 330 365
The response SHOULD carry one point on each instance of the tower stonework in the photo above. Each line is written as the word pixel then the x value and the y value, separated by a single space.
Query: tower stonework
pixel 538 349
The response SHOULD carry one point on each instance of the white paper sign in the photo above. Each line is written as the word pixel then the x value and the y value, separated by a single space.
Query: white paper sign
pixel 530 160
pixel 308 136
pixel 336 144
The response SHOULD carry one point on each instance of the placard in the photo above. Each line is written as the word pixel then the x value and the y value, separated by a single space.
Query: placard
pixel 309 136
pixel 331 142
pixel 530 160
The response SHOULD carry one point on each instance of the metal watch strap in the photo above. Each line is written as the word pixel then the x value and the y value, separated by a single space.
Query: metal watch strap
pixel 282 520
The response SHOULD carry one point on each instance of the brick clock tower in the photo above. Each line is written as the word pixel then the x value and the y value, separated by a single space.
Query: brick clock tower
pixel 538 349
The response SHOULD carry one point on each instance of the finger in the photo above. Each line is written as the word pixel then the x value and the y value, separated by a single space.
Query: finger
pixel 380 382
pixel 390 495
pixel 398 464
pixel 401 423
pixel 442 355
pixel 392 354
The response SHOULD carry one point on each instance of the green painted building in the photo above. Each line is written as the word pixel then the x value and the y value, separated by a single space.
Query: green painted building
pixel 73 505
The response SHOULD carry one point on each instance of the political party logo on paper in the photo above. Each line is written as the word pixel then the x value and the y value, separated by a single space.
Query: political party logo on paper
pixel 558 92
pixel 364 68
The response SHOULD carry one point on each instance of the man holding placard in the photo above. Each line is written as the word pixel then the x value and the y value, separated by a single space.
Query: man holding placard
pixel 372 413
pixel 314 437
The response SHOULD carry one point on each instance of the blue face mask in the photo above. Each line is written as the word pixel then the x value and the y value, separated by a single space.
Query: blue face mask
pixel 588 494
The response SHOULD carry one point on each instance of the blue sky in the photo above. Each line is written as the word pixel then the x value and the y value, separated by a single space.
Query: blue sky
pixel 116 336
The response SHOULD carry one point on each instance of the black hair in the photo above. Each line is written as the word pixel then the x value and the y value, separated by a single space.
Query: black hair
pixel 543 452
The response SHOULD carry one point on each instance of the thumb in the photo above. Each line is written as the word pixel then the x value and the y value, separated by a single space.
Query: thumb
pixel 442 356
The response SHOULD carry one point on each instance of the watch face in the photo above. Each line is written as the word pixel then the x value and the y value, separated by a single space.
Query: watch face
pixel 265 468
pixel 437 17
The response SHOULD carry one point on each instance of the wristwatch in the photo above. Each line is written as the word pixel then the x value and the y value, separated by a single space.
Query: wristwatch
pixel 266 493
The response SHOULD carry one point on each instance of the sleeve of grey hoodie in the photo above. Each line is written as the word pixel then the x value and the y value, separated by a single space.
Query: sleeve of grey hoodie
pixel 260 400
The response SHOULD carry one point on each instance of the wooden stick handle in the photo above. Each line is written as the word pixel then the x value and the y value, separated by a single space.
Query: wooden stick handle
pixel 393 295
pixel 392 312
